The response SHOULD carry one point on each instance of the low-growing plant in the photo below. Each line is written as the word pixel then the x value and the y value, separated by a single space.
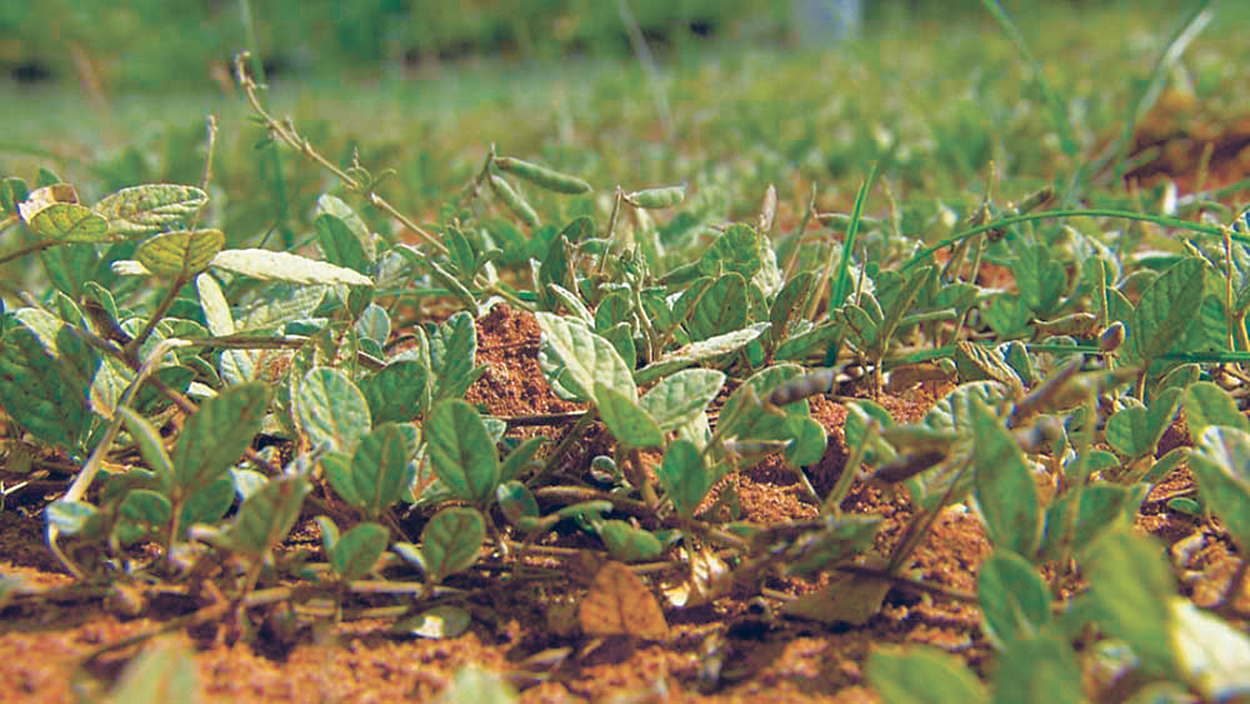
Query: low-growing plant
pixel 247 388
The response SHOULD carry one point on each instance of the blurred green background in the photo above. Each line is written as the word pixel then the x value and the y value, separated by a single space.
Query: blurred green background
pixel 150 44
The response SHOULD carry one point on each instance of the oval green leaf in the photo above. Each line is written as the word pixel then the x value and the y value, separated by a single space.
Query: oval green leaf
pixel 461 451
pixel 181 254
pixel 586 356
pixel 150 208
pixel 380 468
pixel 1014 600
pixel 451 542
pixel 682 396
pixel 68 222
pixel 626 420
pixel 331 410
pixel 216 435
pixel 356 552
pixel 685 478
pixel 280 266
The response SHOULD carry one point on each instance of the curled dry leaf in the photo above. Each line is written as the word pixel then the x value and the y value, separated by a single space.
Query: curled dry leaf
pixel 618 603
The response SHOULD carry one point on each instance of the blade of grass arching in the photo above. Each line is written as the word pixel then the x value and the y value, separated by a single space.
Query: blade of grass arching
pixel 647 61
pixel 1185 33
pixel 1162 220
pixel 841 286
pixel 1058 106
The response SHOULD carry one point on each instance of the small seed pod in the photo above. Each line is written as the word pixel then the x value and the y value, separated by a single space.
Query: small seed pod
pixel 1111 338
pixel 656 198
pixel 542 176
pixel 905 468
pixel 513 200
pixel 1079 324
pixel 799 388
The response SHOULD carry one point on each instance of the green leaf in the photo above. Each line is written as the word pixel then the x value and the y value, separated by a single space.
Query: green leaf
pixel 266 517
pixel 840 286
pixel 68 222
pixel 1213 655
pixel 343 236
pixel 737 250
pixel 560 295
pixel 953 412
pixel 1166 308
pixel 721 309
pixel 1133 585
pixel 151 444
pixel 809 442
pixel 682 396
pixel 1042 670
pixel 977 363
pixel 1007 315
pixel 817 339
pixel 147 507
pixel 208 505
pixel 329 532
pixel 164 672
pixel 1005 489
pixel 685 478
pixel 216 435
pixel 1041 280
pixel 281 303
pixel 182 254
pixel 1014 600
pixel 150 208
pixel 71 267
pixel 451 542
pixel 862 327
pixel 13 190
pixel 855 429
pixel 1222 467
pixel 1101 504
pixel 394 393
pixel 615 308
pixel 461 452
pixel 380 468
pixel 1135 431
pixel 629 544
pixel 214 305
pixel 555 269
pixel 626 420
pixel 355 553
pixel 331 410
pixel 453 349
pixel 622 339
pixel 702 351
pixel 923 675
pixel 39 392
pixel 520 458
pixel 70 517
pixel 516 501
pixel 586 356
pixel 280 266
pixel 337 468
pixel 753 422
pixel 1206 404
pixel 791 299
